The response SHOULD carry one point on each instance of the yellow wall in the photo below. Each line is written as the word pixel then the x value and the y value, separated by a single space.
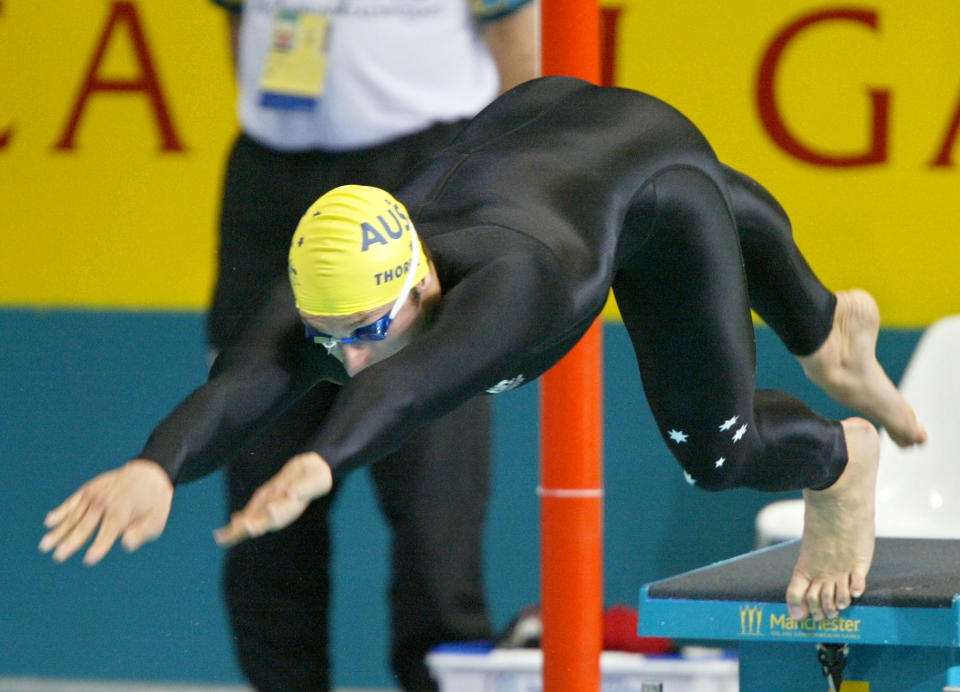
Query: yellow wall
pixel 119 221
pixel 116 220
pixel 889 227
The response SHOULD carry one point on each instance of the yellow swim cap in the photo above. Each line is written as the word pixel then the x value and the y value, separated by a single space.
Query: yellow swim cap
pixel 352 251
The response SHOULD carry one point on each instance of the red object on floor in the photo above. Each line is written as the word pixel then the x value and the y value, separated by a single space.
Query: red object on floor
pixel 620 634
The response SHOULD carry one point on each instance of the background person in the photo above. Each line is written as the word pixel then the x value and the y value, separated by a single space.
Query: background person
pixel 331 93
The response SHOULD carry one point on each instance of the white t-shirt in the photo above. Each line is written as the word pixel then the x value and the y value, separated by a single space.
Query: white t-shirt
pixel 394 67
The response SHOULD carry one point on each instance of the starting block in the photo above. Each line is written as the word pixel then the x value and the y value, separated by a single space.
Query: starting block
pixel 901 636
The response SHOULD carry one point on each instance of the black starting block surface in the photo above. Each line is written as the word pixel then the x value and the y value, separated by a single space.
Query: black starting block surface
pixel 906 573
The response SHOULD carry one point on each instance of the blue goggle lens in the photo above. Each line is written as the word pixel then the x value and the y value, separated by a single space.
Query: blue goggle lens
pixel 376 331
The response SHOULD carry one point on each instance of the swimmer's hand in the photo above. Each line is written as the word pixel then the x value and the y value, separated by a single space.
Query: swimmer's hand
pixel 133 500
pixel 279 501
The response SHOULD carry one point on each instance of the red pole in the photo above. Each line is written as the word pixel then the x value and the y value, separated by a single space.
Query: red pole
pixel 571 477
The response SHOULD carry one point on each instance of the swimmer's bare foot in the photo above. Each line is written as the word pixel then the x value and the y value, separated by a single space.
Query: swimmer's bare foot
pixel 846 368
pixel 838 532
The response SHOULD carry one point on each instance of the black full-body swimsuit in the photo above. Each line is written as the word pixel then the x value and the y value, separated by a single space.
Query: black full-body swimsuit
pixel 553 195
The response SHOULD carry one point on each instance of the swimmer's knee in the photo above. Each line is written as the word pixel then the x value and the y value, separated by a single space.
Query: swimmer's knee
pixel 713 482
pixel 713 472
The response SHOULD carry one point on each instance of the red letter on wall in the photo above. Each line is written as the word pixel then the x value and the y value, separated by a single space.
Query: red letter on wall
pixel 609 24
pixel 942 159
pixel 124 13
pixel 767 105
pixel 5 135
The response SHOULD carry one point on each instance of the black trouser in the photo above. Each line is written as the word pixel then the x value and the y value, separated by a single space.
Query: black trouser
pixel 433 491
pixel 684 299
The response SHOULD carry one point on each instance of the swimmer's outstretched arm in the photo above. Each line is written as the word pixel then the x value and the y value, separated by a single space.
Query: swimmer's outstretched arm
pixel 133 501
pixel 261 373
pixel 473 343
pixel 279 501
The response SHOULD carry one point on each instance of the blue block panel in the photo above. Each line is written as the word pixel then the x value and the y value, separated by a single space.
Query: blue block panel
pixel 794 668
pixel 902 634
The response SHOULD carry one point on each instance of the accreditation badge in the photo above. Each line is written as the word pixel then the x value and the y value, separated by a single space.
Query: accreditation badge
pixel 295 69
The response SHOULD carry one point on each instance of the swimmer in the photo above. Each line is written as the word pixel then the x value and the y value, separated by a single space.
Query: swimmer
pixel 490 263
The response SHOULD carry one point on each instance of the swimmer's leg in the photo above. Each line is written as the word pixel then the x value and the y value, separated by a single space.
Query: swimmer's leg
pixel 838 532
pixel 684 301
pixel 833 336
pixel 845 366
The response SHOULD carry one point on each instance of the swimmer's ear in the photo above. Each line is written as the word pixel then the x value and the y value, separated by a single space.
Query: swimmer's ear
pixel 428 289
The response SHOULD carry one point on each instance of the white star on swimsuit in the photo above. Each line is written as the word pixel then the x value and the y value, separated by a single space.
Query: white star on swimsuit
pixel 740 431
pixel 727 424
pixel 677 436
pixel 690 479
pixel 719 462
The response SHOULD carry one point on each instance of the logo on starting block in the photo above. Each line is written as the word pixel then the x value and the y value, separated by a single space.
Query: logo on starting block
pixel 840 628
pixel 751 620
pixel 782 625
